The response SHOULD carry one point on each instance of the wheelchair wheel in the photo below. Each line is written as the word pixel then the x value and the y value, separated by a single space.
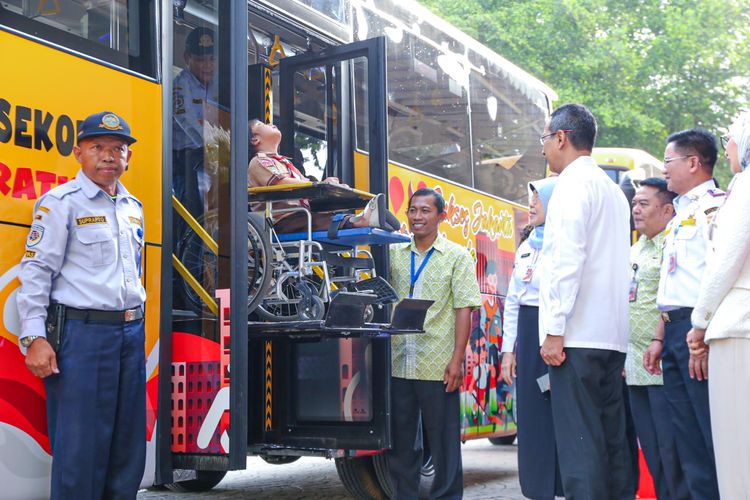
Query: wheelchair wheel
pixel 295 300
pixel 202 262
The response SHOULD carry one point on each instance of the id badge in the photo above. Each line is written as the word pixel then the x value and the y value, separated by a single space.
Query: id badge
pixel 633 291
pixel 529 273
pixel 672 263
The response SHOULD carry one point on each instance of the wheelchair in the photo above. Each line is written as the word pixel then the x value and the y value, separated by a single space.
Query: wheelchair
pixel 292 276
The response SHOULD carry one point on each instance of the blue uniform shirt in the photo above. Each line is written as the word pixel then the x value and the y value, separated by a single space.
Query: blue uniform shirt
pixel 189 98
pixel 83 250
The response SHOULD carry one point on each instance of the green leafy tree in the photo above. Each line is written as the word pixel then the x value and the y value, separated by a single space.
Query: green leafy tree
pixel 644 67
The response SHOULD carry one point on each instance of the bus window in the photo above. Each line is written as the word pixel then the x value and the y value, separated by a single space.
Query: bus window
pixel 428 126
pixel 338 10
pixel 507 118
pixel 119 32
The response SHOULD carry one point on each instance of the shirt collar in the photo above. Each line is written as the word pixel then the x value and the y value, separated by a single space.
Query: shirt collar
pixel 438 244
pixel 656 240
pixel 90 189
pixel 580 162
pixel 695 193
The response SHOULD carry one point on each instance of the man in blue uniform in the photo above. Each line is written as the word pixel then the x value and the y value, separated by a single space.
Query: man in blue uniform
pixel 194 93
pixel 81 283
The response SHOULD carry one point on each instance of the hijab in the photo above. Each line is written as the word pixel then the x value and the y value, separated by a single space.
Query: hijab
pixel 740 132
pixel 543 188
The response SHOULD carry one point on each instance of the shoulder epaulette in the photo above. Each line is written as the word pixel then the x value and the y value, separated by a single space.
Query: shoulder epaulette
pixel 63 190
pixel 266 162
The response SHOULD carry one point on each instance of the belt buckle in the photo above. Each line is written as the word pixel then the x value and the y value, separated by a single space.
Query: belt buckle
pixel 665 317
pixel 130 315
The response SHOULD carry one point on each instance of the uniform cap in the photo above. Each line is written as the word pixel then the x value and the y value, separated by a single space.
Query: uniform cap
pixel 200 41
pixel 105 123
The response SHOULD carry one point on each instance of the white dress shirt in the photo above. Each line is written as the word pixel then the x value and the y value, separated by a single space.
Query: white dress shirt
pixel 584 262
pixel 522 291
pixel 685 247
pixel 83 251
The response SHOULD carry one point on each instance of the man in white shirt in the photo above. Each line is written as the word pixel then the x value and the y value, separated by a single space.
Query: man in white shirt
pixel 689 160
pixel 583 313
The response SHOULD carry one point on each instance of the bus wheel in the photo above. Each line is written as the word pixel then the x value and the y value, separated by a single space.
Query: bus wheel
pixel 204 481
pixel 279 459
pixel 358 476
pixel 503 440
pixel 382 470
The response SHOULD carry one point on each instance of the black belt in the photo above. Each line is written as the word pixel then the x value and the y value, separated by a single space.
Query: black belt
pixel 125 316
pixel 677 314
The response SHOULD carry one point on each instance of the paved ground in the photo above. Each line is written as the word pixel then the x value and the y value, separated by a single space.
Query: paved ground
pixel 490 472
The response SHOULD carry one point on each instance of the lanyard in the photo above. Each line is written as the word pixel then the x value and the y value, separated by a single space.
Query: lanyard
pixel 415 277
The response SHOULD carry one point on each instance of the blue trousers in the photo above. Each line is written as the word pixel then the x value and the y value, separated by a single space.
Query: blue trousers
pixel 96 411
pixel 440 411
pixel 653 423
pixel 688 401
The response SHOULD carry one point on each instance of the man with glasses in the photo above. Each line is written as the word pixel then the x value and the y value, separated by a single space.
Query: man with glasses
pixel 689 160
pixel 583 311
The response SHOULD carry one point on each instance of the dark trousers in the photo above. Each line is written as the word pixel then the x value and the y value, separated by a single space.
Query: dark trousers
pixel 538 471
pixel 688 402
pixel 187 164
pixel 96 411
pixel 653 423
pixel 439 411
pixel 589 416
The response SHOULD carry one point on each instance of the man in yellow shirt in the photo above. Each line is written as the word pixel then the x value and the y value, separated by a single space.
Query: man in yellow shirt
pixel 427 369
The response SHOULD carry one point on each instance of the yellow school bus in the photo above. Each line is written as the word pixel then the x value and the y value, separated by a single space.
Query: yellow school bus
pixel 383 95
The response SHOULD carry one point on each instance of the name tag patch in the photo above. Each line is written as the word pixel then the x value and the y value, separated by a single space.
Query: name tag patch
pixel 92 219
pixel 35 235
pixel 30 254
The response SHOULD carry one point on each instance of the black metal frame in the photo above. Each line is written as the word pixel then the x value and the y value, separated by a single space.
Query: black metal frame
pixel 287 429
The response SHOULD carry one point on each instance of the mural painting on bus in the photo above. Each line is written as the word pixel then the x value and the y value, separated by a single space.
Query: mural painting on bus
pixel 38 123
pixel 488 227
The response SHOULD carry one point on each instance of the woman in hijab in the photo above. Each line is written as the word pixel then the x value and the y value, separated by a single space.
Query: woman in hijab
pixel 720 337
pixel 537 458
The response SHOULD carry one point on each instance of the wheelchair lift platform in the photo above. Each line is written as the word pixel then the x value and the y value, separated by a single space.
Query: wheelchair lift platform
pixel 349 237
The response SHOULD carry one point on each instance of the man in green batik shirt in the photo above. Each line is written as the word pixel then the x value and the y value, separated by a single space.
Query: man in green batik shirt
pixel 652 211
pixel 427 369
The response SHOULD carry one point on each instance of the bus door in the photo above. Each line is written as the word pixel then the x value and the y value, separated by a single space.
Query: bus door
pixel 313 390
pixel 203 357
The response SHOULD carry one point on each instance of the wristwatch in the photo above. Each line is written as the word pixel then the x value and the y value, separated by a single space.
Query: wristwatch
pixel 26 341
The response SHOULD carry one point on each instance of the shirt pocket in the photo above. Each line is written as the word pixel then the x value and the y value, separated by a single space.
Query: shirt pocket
pixel 98 244
pixel 685 241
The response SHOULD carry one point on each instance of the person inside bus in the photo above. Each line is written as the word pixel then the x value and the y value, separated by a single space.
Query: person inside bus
pixel 720 320
pixel 538 471
pixel 195 95
pixel 268 168
pixel 689 159
pixel 81 305
pixel 652 211
pixel 583 310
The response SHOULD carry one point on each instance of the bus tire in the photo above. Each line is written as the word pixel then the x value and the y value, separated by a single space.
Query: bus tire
pixel 204 481
pixel 383 471
pixel 358 476
pixel 503 440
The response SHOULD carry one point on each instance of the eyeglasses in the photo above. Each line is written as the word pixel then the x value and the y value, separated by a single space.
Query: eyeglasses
pixel 724 141
pixel 669 160
pixel 543 138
